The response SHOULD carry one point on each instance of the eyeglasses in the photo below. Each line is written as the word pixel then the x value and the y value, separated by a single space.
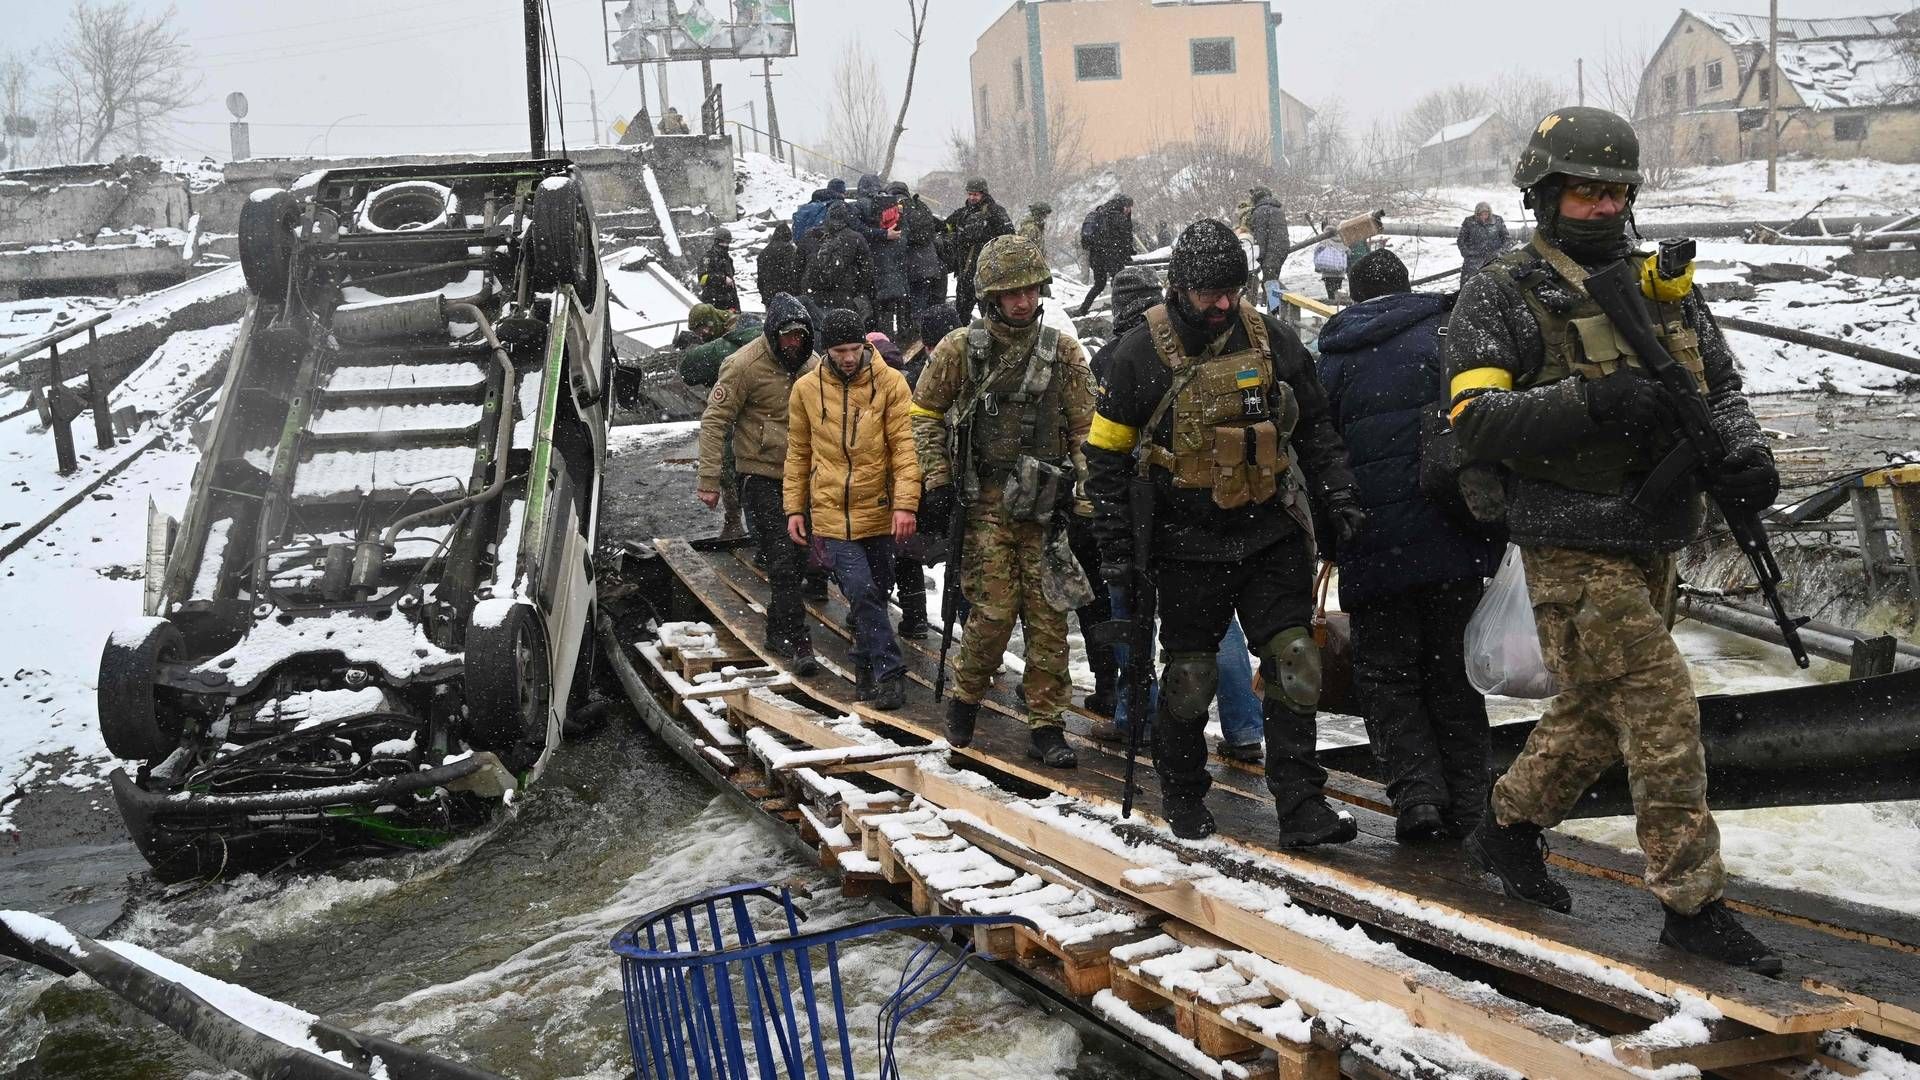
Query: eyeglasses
pixel 1206 298
pixel 1592 191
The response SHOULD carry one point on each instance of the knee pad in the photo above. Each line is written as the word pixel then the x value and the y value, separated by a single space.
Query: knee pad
pixel 1186 688
pixel 1290 664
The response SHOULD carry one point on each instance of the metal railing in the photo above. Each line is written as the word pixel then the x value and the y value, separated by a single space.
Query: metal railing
pixel 61 404
pixel 789 151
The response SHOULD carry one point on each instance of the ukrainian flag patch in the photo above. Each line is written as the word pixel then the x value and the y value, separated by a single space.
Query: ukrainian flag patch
pixel 1249 377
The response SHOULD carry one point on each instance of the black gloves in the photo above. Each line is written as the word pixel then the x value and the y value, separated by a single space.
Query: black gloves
pixel 1345 515
pixel 1745 482
pixel 936 510
pixel 1630 403
pixel 685 339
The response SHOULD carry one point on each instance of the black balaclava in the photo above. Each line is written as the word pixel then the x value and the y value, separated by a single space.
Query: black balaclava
pixel 1586 242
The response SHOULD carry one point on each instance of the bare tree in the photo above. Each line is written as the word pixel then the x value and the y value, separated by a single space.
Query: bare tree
pixel 17 122
pixel 1441 108
pixel 115 77
pixel 857 125
pixel 917 18
pixel 1006 152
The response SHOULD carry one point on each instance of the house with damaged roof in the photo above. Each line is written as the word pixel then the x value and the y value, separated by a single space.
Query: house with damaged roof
pixel 1849 86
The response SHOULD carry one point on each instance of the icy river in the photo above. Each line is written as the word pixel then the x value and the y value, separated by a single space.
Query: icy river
pixel 493 950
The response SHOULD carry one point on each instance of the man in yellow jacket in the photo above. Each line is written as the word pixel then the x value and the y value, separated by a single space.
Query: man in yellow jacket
pixel 852 470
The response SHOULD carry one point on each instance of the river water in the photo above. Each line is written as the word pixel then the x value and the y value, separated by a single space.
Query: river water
pixel 493 950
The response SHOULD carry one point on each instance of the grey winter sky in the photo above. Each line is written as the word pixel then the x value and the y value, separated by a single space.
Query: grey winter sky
pixel 399 75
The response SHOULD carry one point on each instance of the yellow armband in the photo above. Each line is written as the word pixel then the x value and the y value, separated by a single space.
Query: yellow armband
pixel 1108 435
pixel 1480 378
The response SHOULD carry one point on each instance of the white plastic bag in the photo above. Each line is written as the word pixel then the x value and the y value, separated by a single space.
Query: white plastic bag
pixel 1503 645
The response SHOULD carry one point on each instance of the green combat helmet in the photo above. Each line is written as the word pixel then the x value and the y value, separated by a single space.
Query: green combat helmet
pixel 1591 144
pixel 1039 209
pixel 707 318
pixel 1008 263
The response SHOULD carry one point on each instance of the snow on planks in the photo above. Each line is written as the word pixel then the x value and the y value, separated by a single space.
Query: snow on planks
pixel 1606 951
pixel 726 588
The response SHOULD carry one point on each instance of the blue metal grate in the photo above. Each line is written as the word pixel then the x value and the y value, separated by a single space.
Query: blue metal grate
pixel 708 1000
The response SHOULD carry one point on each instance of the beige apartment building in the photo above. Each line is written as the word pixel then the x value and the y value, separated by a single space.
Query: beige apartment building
pixel 1131 75
pixel 1848 87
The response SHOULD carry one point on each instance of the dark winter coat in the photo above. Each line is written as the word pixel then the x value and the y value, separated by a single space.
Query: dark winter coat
pixel 1267 224
pixel 840 272
pixel 1187 524
pixel 780 266
pixel 971 227
pixel 1492 327
pixel 1112 246
pixel 889 256
pixel 1479 243
pixel 921 225
pixel 717 279
pixel 1380 363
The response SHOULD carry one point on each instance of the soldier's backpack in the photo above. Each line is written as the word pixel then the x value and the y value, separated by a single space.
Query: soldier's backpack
pixel 1090 229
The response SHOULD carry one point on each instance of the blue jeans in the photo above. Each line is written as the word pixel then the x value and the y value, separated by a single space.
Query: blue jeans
pixel 1241 715
pixel 864 569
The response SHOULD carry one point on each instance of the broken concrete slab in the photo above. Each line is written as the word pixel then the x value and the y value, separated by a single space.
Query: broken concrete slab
pixel 1777 272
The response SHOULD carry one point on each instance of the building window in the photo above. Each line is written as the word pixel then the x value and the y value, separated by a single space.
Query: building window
pixel 1096 62
pixel 985 114
pixel 1211 56
pixel 1849 128
pixel 1714 76
pixel 1693 94
pixel 1670 88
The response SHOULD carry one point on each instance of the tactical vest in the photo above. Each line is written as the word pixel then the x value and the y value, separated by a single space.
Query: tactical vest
pixel 1019 408
pixel 1582 342
pixel 1232 416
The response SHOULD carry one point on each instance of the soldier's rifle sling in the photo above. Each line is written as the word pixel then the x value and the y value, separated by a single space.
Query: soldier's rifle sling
pixel 1617 291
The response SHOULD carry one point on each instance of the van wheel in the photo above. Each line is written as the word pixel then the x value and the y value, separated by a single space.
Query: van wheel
pixel 135 718
pixel 267 222
pixel 509 682
pixel 558 235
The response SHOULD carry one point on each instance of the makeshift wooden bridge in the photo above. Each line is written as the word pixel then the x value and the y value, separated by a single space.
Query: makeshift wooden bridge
pixel 1231 957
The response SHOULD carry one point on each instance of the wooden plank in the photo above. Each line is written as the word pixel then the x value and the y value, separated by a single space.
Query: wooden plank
pixel 1717 1054
pixel 1382 883
pixel 1529 1039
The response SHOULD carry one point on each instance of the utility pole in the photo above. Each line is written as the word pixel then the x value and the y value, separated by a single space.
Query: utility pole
pixel 1773 94
pixel 753 125
pixel 709 118
pixel 536 97
pixel 1580 80
pixel 773 118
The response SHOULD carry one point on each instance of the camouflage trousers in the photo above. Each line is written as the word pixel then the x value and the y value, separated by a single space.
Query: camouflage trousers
pixel 1625 695
pixel 1001 580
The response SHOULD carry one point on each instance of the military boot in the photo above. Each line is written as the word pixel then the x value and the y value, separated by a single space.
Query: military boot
pixel 1419 824
pixel 1714 933
pixel 1517 855
pixel 960 718
pixel 1188 816
pixel 1048 746
pixel 1315 821
pixel 889 694
pixel 863 681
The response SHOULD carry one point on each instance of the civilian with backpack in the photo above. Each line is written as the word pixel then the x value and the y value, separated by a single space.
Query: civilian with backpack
pixel 1107 236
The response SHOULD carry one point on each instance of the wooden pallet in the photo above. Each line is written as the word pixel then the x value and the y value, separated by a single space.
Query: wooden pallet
pixel 1000 834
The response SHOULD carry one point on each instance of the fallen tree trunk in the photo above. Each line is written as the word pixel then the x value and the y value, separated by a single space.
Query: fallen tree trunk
pixel 1868 353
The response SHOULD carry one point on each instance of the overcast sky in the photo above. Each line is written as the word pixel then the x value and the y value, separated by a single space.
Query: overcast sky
pixel 401 75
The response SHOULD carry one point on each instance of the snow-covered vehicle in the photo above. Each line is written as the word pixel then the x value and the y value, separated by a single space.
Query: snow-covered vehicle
pixel 365 629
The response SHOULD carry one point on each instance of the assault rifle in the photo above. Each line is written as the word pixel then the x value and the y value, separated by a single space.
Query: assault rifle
pixel 1617 290
pixel 1135 632
pixel 956 548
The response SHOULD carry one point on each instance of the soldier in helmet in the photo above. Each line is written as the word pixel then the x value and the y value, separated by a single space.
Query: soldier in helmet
pixel 1543 385
pixel 997 417
pixel 716 273
pixel 1034 225
pixel 1219 407
pixel 968 229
